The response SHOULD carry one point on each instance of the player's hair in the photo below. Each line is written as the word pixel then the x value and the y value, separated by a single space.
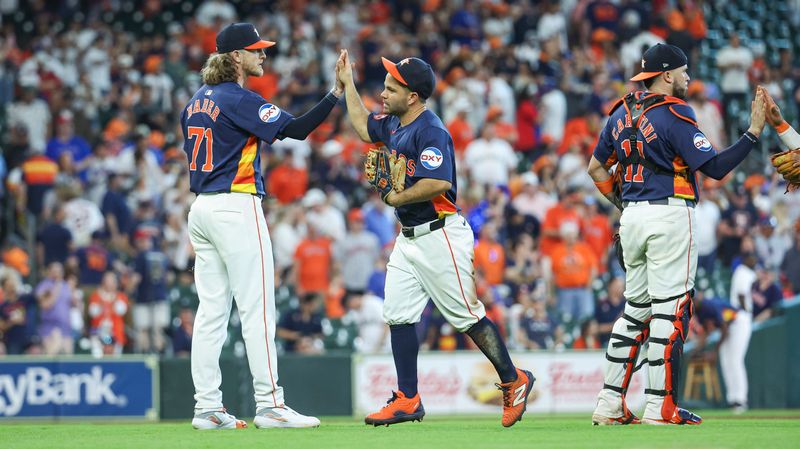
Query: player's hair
pixel 649 82
pixel 219 68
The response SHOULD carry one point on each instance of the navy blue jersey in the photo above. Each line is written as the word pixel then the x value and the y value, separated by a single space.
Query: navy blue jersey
pixel 668 136
pixel 222 126
pixel 428 147
pixel 715 311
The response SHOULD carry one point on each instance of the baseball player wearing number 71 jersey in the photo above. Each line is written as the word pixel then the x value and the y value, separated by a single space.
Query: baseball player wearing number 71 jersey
pixel 653 137
pixel 223 125
pixel 432 257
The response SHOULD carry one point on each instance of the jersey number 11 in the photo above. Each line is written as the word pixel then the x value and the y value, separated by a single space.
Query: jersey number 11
pixel 630 176
pixel 198 133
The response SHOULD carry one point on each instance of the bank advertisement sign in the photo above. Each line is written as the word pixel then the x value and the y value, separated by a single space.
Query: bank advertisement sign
pixel 67 387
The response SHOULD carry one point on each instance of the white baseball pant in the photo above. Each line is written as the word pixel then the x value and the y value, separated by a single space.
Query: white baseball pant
pixel 437 265
pixel 732 351
pixel 233 261
pixel 660 254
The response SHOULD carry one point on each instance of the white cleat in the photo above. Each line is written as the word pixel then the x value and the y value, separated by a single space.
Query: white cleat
pixel 217 420
pixel 282 417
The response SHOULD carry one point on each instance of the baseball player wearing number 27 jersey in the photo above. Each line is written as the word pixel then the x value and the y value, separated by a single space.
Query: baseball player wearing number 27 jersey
pixel 432 257
pixel 653 138
pixel 223 125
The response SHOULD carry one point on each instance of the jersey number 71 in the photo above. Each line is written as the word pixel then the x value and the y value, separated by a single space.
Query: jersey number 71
pixel 198 133
pixel 630 176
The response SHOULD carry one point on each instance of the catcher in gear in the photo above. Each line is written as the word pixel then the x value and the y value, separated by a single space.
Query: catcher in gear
pixel 652 137
pixel 787 163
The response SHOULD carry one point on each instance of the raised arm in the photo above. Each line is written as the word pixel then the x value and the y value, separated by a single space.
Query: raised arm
pixel 356 111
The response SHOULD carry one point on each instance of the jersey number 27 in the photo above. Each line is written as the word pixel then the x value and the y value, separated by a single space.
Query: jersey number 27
pixel 633 172
pixel 200 134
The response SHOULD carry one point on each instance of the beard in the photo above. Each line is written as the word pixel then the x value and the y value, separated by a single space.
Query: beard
pixel 679 91
pixel 388 109
pixel 255 70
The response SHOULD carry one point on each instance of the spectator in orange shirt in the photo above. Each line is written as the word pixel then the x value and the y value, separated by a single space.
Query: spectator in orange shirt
pixel 589 336
pixel 596 231
pixel 460 130
pixel 562 212
pixel 494 311
pixel 286 182
pixel 503 130
pixel 265 85
pixel 107 309
pixel 574 266
pixel 490 257
pixel 312 259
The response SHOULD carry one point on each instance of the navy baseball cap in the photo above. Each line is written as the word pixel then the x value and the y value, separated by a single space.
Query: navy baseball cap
pixel 240 36
pixel 660 58
pixel 413 73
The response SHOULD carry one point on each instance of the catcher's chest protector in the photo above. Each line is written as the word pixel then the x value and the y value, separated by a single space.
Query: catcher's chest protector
pixel 636 104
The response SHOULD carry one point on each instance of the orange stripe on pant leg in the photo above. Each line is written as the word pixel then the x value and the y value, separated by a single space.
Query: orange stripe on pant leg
pixel 452 256
pixel 264 303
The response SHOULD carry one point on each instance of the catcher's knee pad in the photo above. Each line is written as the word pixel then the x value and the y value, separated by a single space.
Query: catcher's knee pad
pixel 624 353
pixel 669 329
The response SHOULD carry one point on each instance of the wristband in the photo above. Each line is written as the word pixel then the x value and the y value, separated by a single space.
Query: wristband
pixel 782 127
pixel 605 187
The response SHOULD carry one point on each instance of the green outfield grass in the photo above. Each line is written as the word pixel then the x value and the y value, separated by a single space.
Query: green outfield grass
pixel 758 429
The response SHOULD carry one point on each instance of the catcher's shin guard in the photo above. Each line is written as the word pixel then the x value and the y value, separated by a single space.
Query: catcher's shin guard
pixel 625 356
pixel 669 329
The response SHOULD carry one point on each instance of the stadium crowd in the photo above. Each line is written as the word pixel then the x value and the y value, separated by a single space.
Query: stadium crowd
pixel 96 255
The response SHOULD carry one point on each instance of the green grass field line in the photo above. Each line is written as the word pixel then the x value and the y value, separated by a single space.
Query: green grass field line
pixel 774 429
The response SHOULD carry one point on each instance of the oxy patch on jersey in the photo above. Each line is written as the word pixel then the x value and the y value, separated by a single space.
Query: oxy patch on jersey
pixel 431 158
pixel 701 142
pixel 268 113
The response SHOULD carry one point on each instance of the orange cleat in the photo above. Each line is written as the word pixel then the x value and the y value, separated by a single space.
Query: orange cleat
pixel 397 409
pixel 515 397
pixel 679 416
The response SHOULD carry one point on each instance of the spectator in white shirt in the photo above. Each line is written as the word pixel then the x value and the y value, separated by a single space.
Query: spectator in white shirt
pixel 328 220
pixel 489 159
pixel 708 218
pixel 215 9
pixel 733 349
pixel 365 311
pixel 34 114
pixel 532 200
pixel 709 119
pixel 553 113
pixel 734 61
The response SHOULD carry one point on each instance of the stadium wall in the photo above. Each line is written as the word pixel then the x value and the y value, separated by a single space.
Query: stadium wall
pixel 143 387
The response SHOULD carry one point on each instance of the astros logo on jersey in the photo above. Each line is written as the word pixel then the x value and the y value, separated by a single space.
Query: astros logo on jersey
pixel 431 158
pixel 269 113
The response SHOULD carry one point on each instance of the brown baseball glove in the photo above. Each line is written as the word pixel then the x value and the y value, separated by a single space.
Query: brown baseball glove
pixel 371 164
pixel 398 171
pixel 787 164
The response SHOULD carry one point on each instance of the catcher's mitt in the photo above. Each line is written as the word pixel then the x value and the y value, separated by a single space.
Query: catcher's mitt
pixel 787 164
pixel 398 171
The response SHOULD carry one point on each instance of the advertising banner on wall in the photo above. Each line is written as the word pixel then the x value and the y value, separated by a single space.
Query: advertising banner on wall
pixel 79 387
pixel 464 382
